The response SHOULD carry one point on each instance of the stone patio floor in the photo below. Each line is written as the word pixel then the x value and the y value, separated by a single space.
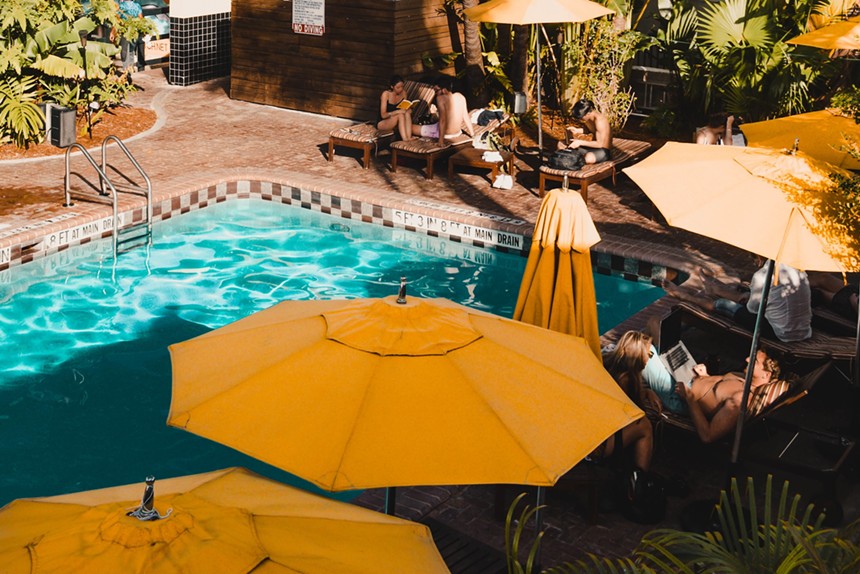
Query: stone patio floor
pixel 203 137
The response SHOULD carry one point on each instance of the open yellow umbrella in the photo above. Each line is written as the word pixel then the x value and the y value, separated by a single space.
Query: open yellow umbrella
pixel 373 393
pixel 557 291
pixel 229 521
pixel 536 12
pixel 843 35
pixel 821 135
pixel 743 197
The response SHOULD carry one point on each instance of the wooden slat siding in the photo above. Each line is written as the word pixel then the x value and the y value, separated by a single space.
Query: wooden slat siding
pixel 342 72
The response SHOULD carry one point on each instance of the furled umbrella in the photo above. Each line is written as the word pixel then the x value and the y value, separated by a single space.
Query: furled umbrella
pixel 823 135
pixel 840 35
pixel 743 197
pixel 390 392
pixel 557 290
pixel 229 521
pixel 537 12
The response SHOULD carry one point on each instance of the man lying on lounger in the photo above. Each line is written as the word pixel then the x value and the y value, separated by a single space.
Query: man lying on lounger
pixel 714 401
pixel 599 149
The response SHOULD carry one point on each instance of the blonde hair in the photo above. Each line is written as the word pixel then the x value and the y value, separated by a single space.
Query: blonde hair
pixel 626 361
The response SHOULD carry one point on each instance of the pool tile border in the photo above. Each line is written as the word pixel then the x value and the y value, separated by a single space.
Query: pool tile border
pixel 86 222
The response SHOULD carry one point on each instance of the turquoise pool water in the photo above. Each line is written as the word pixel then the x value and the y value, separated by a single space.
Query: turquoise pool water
pixel 85 380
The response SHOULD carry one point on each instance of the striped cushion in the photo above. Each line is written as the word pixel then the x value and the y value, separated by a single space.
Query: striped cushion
pixel 763 396
pixel 622 150
pixel 428 146
pixel 366 133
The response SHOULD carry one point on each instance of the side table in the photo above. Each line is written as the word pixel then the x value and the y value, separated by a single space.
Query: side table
pixel 472 157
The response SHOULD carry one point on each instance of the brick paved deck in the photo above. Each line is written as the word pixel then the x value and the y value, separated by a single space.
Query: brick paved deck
pixel 203 138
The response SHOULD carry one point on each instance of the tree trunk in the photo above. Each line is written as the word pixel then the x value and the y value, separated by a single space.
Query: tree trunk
pixel 474 59
pixel 519 62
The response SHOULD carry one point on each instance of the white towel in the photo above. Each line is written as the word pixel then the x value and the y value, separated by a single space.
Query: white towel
pixel 491 156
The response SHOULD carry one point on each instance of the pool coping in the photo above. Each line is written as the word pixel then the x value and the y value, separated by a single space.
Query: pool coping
pixel 91 218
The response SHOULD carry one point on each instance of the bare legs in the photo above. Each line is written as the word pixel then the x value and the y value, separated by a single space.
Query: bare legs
pixel 399 121
pixel 638 435
pixel 828 285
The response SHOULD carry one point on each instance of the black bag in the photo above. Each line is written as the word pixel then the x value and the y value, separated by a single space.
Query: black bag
pixel 567 159
pixel 646 497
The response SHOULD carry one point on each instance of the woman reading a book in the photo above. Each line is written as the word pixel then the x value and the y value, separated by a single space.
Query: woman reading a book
pixel 394 111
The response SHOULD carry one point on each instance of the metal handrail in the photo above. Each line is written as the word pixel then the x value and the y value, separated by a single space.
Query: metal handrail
pixel 139 170
pixel 102 179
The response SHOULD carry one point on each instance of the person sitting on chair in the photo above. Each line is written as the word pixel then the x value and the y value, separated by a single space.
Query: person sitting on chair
pixel 599 149
pixel 788 311
pixel 714 401
pixel 453 111
pixel 625 363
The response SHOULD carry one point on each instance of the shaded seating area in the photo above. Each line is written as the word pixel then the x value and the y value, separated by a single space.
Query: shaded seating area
pixel 429 150
pixel 366 137
pixel 822 344
pixel 623 151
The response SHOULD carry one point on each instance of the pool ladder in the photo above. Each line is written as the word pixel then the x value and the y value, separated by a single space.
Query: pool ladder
pixel 132 235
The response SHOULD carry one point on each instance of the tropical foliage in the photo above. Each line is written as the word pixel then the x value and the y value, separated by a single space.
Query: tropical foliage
pixel 756 535
pixel 732 56
pixel 42 59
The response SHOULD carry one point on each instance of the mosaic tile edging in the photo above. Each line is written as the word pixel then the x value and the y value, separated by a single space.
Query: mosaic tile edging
pixel 457 225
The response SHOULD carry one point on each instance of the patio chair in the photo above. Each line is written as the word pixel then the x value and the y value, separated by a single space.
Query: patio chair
pixel 430 150
pixel 366 137
pixel 623 151
pixel 822 345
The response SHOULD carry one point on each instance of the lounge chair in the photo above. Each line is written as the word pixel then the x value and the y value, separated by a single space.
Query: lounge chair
pixel 623 151
pixel 366 137
pixel 821 345
pixel 430 150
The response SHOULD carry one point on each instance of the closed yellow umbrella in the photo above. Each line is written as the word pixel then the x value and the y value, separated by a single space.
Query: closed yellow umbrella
pixel 229 522
pixel 557 290
pixel 821 135
pixel 844 35
pixel 371 393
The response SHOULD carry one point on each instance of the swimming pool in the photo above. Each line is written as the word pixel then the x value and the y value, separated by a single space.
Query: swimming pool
pixel 85 384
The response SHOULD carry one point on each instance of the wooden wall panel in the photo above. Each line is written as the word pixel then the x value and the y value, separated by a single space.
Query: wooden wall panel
pixel 342 72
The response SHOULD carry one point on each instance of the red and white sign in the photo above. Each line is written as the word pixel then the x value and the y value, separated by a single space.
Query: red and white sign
pixel 309 17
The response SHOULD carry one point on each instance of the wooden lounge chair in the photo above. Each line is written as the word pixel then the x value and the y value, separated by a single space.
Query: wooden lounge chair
pixel 821 345
pixel 430 150
pixel 366 137
pixel 623 151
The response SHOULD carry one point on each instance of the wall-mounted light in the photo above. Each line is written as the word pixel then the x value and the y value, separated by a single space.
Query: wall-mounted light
pixel 664 8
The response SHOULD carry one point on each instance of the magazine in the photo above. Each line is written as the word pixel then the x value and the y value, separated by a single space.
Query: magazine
pixel 679 362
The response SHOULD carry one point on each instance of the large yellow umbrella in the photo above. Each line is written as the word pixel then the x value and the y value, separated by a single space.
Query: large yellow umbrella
pixel 372 393
pixel 743 197
pixel 843 35
pixel 229 521
pixel 821 135
pixel 537 12
pixel 557 291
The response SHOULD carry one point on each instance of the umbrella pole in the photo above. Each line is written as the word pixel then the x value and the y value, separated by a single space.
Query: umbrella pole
pixel 765 292
pixel 540 113
pixel 390 500
pixel 540 498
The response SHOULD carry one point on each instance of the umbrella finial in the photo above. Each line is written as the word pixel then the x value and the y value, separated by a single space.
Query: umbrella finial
pixel 401 295
pixel 796 146
pixel 146 511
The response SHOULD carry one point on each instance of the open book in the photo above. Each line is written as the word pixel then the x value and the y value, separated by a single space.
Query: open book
pixel 679 362
pixel 407 104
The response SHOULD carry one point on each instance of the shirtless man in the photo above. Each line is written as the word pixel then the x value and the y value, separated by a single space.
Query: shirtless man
pixel 453 111
pixel 600 149
pixel 715 400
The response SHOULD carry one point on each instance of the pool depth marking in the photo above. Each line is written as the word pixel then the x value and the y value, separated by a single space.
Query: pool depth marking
pixel 464 211
pixel 470 232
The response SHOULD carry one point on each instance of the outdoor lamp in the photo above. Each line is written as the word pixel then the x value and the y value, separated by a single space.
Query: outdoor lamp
pixel 664 8
pixel 83 35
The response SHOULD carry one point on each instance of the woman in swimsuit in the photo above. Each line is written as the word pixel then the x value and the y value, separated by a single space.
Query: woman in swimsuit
pixel 625 364
pixel 390 116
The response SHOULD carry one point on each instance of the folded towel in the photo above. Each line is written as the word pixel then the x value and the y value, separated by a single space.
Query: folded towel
pixel 491 156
